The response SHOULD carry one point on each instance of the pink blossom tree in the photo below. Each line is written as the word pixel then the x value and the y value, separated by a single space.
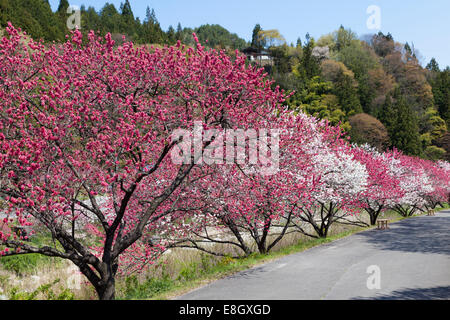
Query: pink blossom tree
pixel 339 179
pixel 383 188
pixel 444 167
pixel 86 137
pixel 414 183
pixel 439 177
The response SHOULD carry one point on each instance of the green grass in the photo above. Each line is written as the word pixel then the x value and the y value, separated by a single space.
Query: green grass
pixel 43 292
pixel 28 263
pixel 149 288
pixel 445 206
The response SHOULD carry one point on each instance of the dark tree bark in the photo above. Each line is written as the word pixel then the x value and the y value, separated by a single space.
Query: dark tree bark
pixel 405 211
pixel 374 213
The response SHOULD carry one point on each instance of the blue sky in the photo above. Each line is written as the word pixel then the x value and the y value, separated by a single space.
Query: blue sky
pixel 424 23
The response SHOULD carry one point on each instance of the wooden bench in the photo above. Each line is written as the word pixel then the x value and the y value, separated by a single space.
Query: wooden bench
pixel 383 224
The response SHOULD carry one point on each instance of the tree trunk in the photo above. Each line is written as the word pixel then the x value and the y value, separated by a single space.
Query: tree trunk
pixel 106 287
pixel 374 214
pixel 235 230
pixel 262 247
pixel 373 219
pixel 324 233
pixel 107 291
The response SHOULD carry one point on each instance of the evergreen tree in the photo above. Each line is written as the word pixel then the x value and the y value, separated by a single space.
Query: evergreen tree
pixel 90 20
pixel 347 93
pixel 152 32
pixel 62 15
pixel 344 38
pixel 127 25
pixel 388 116
pixel 433 65
pixel 257 42
pixel 179 33
pixel 408 49
pixel 171 37
pixel 125 9
pixel 406 136
pixel 150 15
pixel 62 7
pixel 309 66
pixel 217 36
pixel 5 12
pixel 110 19
pixel 441 93
pixel 36 17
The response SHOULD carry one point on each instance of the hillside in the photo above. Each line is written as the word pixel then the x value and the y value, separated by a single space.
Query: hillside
pixel 339 76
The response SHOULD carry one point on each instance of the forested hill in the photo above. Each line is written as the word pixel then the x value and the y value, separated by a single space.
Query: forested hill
pixel 373 87
pixel 37 18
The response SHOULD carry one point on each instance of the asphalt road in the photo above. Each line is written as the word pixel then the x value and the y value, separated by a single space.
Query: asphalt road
pixel 412 260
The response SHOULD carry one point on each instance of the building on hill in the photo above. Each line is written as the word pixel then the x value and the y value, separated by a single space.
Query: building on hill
pixel 261 57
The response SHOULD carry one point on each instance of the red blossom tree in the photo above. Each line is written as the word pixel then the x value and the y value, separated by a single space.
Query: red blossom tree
pixel 439 177
pixel 383 187
pixel 415 185
pixel 85 131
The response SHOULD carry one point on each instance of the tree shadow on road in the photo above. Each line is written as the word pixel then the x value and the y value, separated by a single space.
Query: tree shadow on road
pixel 250 273
pixel 422 235
pixel 437 293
